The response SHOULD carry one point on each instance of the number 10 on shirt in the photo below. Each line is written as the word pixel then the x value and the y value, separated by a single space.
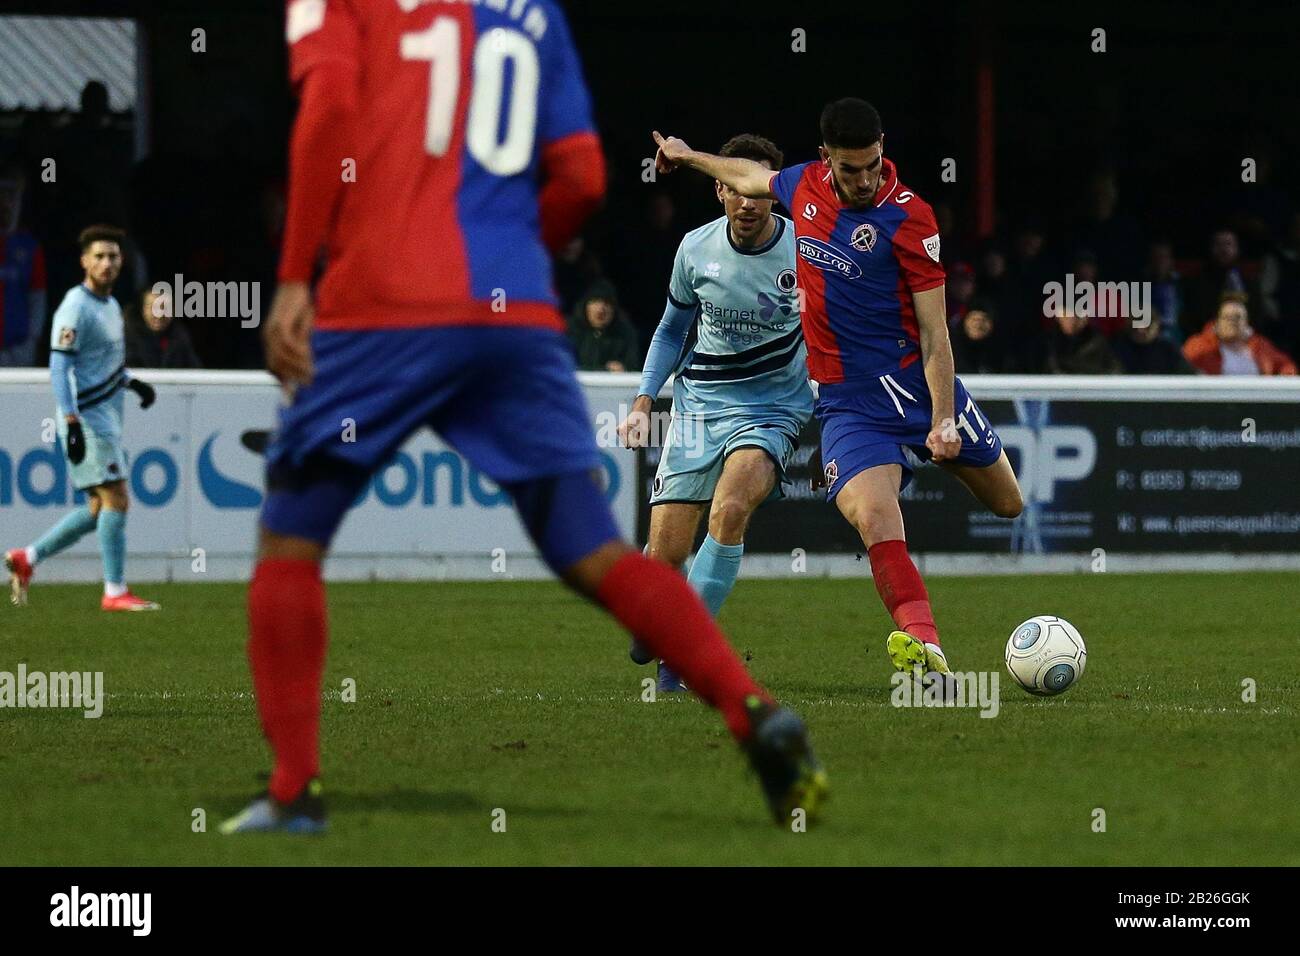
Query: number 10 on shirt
pixel 440 45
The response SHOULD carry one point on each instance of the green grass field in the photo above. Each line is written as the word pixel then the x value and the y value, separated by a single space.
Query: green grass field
pixel 472 697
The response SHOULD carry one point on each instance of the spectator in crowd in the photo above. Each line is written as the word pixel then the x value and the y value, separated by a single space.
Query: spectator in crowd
pixel 1021 303
pixel 1108 316
pixel 94 160
pixel 1075 347
pixel 1032 264
pixel 977 348
pixel 604 339
pixel 576 268
pixel 1223 273
pixel 1229 346
pixel 22 277
pixel 1143 350
pixel 1260 209
pixel 991 277
pixel 153 338
pixel 959 291
pixel 1112 234
pixel 1166 289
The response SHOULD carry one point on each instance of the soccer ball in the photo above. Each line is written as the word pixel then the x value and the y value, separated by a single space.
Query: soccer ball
pixel 1045 655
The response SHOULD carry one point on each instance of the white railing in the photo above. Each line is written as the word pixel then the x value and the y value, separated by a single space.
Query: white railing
pixel 1138 388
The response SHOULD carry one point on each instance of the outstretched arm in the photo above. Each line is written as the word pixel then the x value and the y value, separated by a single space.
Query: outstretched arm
pixel 745 176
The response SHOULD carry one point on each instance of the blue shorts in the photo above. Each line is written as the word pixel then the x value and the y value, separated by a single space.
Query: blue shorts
pixel 506 398
pixel 877 421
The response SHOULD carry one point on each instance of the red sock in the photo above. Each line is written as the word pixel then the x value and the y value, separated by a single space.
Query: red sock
pixel 902 590
pixel 664 613
pixel 286 649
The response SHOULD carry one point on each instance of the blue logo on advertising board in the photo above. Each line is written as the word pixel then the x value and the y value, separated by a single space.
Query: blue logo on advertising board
pixel 39 478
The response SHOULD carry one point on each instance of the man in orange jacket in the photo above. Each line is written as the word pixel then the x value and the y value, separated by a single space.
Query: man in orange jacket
pixel 1229 346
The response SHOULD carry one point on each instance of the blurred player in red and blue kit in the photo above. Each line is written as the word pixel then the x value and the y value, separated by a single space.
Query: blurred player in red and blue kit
pixel 876 326
pixel 469 130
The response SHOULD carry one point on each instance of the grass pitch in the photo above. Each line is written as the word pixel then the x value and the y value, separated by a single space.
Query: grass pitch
pixel 519 697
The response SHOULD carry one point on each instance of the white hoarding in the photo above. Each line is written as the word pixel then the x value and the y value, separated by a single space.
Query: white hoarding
pixel 196 490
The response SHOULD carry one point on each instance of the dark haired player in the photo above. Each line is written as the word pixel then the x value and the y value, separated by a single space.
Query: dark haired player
pixel 730 335
pixel 874 319
pixel 88 372
pixel 471 134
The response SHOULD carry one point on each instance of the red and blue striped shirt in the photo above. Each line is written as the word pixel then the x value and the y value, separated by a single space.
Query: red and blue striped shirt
pixel 858 269
pixel 430 189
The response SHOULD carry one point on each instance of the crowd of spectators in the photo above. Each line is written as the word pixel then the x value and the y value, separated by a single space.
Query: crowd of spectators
pixel 1149 310
pixel 1197 305
pixel 1220 314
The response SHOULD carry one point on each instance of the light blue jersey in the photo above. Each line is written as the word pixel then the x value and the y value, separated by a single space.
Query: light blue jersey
pixel 731 335
pixel 90 331
pixel 746 351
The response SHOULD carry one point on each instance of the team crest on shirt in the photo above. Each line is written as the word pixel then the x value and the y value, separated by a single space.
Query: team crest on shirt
pixel 832 471
pixel 786 280
pixel 931 246
pixel 67 337
pixel 863 238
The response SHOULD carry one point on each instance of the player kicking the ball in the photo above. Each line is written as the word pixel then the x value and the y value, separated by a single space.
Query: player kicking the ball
pixel 875 322
pixel 87 347
pixel 452 211
pixel 730 333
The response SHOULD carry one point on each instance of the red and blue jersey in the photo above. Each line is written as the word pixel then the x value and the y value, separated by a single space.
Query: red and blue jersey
pixel 22 272
pixel 458 112
pixel 858 269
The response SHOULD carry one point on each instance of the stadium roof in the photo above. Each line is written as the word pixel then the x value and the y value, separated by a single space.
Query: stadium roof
pixel 45 61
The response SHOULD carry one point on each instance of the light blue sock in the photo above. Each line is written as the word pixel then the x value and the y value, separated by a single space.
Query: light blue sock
pixel 112 545
pixel 714 570
pixel 74 526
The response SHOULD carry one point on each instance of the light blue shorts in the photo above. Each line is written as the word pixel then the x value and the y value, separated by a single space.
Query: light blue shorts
pixel 696 449
pixel 105 460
